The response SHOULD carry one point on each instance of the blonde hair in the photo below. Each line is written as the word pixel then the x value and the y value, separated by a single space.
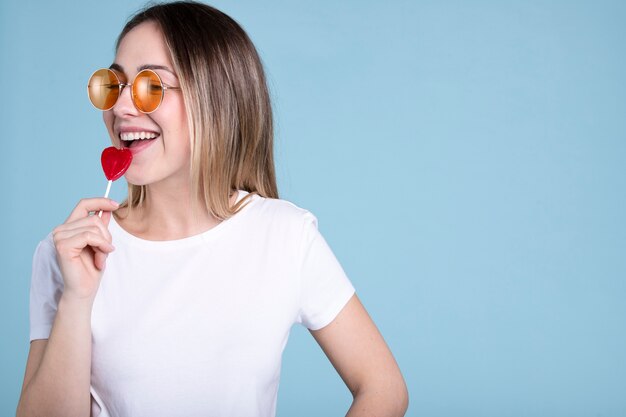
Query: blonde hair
pixel 227 102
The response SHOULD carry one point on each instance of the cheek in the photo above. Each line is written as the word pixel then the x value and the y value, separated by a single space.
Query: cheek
pixel 173 123
pixel 107 118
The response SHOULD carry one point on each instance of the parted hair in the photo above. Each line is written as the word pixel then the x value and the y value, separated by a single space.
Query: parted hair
pixel 227 103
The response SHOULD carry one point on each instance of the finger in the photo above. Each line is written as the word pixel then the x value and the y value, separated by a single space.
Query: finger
pixel 67 233
pixel 86 205
pixel 75 243
pixel 90 221
pixel 106 219
pixel 100 259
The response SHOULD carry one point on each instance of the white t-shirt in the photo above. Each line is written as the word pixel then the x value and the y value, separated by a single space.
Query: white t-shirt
pixel 197 326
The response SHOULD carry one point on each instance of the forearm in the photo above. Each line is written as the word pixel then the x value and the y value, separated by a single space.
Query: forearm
pixel 60 386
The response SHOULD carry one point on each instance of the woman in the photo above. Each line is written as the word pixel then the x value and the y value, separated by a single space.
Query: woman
pixel 189 313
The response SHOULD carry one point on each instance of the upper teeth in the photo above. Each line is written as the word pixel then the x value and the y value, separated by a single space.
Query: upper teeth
pixel 137 135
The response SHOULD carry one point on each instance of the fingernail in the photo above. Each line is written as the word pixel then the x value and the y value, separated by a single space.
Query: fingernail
pixel 115 203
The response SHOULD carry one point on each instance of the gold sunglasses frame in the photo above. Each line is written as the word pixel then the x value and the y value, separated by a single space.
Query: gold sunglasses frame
pixel 121 86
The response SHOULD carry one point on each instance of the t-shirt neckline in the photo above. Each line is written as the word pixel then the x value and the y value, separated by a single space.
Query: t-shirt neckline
pixel 201 237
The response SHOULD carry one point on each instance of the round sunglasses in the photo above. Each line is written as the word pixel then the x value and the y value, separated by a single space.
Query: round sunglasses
pixel 147 90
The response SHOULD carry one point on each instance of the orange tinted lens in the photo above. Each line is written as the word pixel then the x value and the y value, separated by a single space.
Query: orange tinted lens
pixel 147 91
pixel 103 89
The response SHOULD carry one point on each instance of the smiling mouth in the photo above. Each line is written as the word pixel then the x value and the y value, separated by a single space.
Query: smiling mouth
pixel 132 139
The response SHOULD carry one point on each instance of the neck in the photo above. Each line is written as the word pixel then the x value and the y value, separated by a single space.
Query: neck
pixel 166 214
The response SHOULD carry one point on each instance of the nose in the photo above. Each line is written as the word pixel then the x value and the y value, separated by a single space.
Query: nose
pixel 124 105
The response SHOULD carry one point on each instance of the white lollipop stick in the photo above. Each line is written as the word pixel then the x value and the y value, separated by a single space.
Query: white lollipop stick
pixel 106 194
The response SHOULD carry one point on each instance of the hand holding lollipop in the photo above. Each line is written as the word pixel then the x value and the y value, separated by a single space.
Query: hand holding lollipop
pixel 115 162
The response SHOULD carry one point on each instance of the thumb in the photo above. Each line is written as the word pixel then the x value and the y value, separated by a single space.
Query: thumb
pixel 106 217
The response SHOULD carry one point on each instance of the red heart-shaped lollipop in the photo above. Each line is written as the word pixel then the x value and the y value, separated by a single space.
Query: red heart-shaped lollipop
pixel 115 162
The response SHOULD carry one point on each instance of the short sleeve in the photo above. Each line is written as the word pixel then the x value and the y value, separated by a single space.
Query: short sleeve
pixel 46 287
pixel 325 288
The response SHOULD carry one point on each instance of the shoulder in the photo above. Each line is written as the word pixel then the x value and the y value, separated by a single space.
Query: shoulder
pixel 45 265
pixel 278 211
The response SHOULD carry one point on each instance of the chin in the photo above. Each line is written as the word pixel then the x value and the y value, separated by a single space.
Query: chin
pixel 136 181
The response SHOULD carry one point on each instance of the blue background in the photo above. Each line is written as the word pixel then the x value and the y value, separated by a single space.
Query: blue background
pixel 465 161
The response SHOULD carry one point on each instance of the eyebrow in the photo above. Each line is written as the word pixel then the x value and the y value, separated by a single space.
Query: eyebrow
pixel 118 67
